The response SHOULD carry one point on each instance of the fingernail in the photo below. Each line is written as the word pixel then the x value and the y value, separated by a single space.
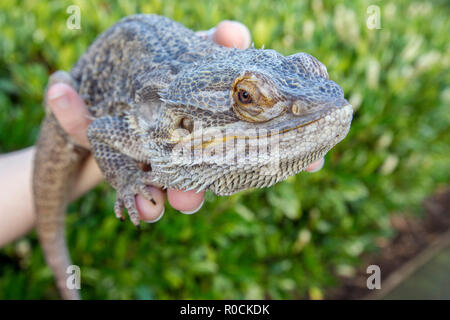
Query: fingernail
pixel 207 35
pixel 319 167
pixel 246 37
pixel 195 210
pixel 59 99
pixel 210 33
pixel 157 219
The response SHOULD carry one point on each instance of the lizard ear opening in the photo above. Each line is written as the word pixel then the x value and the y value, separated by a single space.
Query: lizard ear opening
pixel 186 124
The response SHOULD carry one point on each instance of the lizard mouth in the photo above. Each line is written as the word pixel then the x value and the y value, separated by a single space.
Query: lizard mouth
pixel 211 138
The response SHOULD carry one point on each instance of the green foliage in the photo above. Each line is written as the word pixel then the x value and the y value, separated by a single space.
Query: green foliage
pixel 288 241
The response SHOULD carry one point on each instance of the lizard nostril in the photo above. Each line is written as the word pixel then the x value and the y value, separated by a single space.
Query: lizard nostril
pixel 299 107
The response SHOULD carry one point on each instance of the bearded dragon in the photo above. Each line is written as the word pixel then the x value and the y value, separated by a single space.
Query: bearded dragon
pixel 197 115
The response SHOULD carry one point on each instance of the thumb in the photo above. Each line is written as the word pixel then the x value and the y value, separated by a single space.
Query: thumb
pixel 70 111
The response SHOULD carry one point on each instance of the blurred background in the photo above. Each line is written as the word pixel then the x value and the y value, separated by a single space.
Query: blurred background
pixel 310 237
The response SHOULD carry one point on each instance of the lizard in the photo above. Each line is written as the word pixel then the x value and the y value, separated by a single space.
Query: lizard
pixel 174 110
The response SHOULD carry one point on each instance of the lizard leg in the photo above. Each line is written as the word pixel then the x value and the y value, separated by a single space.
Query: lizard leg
pixel 118 152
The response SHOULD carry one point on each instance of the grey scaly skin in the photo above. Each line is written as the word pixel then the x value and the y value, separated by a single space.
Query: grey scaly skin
pixel 204 117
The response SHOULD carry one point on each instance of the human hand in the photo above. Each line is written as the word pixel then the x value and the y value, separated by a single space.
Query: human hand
pixel 73 116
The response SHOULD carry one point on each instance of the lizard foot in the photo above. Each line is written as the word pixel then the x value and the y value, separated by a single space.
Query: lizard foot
pixel 126 200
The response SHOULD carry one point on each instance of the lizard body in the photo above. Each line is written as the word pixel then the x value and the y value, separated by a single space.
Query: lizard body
pixel 204 117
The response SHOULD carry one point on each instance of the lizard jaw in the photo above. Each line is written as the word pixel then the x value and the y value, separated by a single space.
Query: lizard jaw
pixel 294 142
pixel 215 136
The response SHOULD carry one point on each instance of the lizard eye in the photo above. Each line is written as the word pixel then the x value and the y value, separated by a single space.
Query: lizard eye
pixel 244 97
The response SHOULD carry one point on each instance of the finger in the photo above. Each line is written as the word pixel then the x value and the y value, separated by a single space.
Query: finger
pixel 232 34
pixel 229 34
pixel 70 111
pixel 316 165
pixel 187 202
pixel 148 211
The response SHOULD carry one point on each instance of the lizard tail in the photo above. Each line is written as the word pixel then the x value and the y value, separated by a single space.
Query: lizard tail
pixel 55 164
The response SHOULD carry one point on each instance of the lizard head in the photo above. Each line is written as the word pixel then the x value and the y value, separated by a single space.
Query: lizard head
pixel 248 119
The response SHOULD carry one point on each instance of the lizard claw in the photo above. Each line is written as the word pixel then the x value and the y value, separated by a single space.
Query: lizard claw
pixel 118 210
pixel 126 199
pixel 130 204
pixel 145 191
